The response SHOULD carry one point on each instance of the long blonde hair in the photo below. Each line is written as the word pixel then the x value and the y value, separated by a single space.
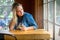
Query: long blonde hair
pixel 14 6
pixel 14 16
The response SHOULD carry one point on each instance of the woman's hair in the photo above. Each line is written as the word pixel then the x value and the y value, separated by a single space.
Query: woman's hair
pixel 14 5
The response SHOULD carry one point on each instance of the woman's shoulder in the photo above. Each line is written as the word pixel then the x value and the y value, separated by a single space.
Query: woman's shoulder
pixel 27 14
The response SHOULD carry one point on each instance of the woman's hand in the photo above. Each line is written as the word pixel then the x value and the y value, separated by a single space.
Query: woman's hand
pixel 23 28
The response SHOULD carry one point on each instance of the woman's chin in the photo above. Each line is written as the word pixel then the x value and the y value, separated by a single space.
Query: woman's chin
pixel 20 15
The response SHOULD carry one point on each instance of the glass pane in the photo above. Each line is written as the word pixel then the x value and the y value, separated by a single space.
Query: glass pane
pixel 9 2
pixel 45 11
pixel 0 2
pixel 50 11
pixel 58 20
pixel 57 32
pixel 58 12
pixel 45 25
pixel 50 0
pixel 45 16
pixel 50 28
pixel 57 7
pixel 5 12
pixel 1 12
pixel 45 1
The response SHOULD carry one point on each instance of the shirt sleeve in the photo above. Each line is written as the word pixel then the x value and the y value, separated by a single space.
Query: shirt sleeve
pixel 31 21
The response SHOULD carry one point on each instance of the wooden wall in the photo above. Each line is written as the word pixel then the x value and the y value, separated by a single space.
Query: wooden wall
pixel 39 12
pixel 35 7
pixel 28 5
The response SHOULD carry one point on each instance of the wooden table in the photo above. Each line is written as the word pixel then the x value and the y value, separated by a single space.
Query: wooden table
pixel 39 34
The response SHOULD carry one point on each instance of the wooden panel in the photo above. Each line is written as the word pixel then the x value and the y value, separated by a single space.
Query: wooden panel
pixel 28 5
pixel 6 37
pixel 39 12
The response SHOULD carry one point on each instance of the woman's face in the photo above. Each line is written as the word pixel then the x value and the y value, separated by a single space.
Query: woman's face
pixel 19 10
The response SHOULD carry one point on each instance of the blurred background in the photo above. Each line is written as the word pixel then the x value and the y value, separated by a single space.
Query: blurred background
pixel 45 12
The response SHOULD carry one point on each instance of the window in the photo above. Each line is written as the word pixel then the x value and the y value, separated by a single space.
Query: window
pixel 58 12
pixel 52 17
pixel 57 20
pixel 5 12
pixel 48 16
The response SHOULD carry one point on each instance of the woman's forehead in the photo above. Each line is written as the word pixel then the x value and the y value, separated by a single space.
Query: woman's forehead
pixel 19 7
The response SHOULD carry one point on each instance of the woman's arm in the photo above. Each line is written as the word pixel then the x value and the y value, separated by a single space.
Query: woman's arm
pixel 12 24
pixel 24 28
pixel 31 22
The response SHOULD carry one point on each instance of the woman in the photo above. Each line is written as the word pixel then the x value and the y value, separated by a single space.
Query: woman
pixel 21 20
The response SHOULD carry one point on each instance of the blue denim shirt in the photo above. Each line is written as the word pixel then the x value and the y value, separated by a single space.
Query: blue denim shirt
pixel 27 20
